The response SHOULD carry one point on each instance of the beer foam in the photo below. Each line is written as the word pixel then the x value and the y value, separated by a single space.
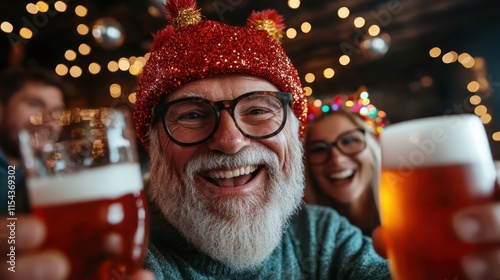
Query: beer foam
pixel 107 182
pixel 435 141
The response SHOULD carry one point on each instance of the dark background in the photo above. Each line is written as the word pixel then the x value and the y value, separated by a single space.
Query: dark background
pixel 405 82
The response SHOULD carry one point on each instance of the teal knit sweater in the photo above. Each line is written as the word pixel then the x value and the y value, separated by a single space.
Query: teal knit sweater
pixel 318 244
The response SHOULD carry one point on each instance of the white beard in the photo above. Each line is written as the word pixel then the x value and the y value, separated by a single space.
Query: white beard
pixel 240 231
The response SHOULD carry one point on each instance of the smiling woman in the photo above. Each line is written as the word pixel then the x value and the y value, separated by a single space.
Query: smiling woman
pixel 342 160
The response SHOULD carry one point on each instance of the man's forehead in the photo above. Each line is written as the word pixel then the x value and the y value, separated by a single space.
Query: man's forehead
pixel 222 87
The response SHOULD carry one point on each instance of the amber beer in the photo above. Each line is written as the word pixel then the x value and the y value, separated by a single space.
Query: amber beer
pixel 431 169
pixel 85 183
pixel 102 202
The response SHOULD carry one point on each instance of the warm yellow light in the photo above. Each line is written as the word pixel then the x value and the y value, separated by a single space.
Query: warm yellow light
pixel 6 27
pixel 349 103
pixel 42 6
pixel 469 62
pixel 26 33
pixel 374 30
pixel 473 86
pixel 294 4
pixel 154 11
pixel 115 90
pixel 113 66
pixel 84 49
pixel 359 22
pixel 317 103
pixel 60 6
pixel 94 68
pixel 61 70
pixel 32 8
pixel 82 29
pixel 132 98
pixel 435 52
pixel 81 11
pixel 464 57
pixel 305 27
pixel 123 64
pixel 146 56
pixel 496 136
pixel 142 60
pixel 329 73
pixel 135 69
pixel 308 91
pixel 291 33
pixel 138 63
pixel 132 60
pixel 310 77
pixel 450 57
pixel 70 55
pixel 75 71
pixel 343 12
pixel 344 60
pixel 475 99
pixel 480 110
pixel 486 118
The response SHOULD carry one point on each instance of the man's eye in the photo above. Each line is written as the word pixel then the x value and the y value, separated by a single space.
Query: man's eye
pixel 257 111
pixel 318 149
pixel 190 116
pixel 34 103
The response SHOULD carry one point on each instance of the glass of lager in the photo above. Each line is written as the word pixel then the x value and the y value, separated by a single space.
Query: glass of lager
pixel 431 168
pixel 84 181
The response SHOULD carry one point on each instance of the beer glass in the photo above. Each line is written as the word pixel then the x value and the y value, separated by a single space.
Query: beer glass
pixel 431 168
pixel 85 183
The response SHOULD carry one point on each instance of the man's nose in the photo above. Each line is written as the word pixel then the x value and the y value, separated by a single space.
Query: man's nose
pixel 227 138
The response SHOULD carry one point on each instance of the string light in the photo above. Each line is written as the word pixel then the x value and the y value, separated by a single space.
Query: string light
pixel 467 62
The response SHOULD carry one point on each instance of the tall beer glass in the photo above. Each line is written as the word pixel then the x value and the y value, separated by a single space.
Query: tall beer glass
pixel 431 168
pixel 85 183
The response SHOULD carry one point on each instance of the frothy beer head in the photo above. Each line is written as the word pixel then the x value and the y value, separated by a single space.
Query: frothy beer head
pixel 436 141
pixel 107 182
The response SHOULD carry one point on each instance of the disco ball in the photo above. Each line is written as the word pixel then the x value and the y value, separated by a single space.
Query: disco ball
pixel 377 45
pixel 108 33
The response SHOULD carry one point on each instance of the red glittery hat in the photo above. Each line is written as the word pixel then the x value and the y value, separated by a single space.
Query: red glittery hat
pixel 192 49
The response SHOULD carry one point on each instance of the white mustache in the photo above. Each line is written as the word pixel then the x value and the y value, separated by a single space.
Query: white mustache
pixel 249 158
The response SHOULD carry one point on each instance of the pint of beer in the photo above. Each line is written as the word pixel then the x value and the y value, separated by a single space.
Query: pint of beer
pixel 431 168
pixel 85 183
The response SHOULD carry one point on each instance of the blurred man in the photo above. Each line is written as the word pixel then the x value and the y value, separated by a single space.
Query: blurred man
pixel 24 94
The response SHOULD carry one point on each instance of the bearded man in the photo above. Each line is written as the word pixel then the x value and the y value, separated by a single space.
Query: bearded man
pixel 227 177
pixel 222 110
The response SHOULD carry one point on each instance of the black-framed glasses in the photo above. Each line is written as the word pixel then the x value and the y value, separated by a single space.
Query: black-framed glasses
pixel 349 143
pixel 193 120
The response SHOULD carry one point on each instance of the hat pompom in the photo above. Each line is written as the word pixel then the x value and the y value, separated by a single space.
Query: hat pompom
pixel 182 12
pixel 268 20
pixel 161 37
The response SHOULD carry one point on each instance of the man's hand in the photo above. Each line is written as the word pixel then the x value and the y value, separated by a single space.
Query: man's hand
pixel 478 225
pixel 35 264
pixel 30 263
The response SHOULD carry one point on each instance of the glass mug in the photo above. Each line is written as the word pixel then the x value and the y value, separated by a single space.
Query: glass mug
pixel 84 181
pixel 431 168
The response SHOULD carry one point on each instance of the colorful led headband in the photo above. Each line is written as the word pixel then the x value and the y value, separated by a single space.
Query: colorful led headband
pixel 357 103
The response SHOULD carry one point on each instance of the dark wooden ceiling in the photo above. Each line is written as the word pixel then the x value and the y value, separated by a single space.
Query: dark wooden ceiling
pixel 395 81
